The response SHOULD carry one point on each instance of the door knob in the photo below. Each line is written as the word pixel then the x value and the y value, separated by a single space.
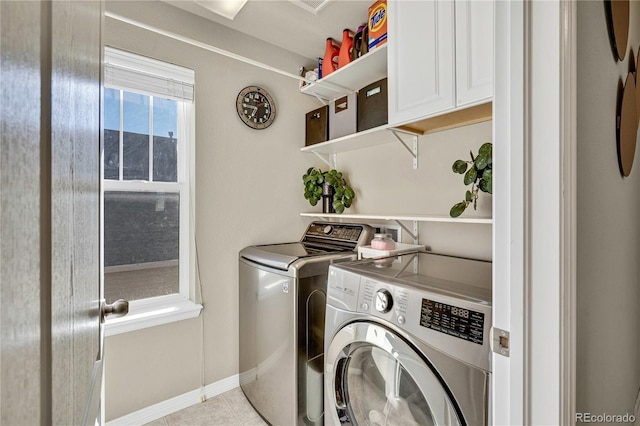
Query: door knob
pixel 119 308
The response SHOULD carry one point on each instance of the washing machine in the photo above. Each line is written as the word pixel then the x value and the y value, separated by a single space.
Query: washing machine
pixel 407 341
pixel 282 305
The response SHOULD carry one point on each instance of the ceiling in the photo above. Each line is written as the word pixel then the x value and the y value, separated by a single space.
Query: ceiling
pixel 288 25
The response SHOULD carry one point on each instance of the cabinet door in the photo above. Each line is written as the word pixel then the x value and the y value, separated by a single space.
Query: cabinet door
pixel 421 59
pixel 474 51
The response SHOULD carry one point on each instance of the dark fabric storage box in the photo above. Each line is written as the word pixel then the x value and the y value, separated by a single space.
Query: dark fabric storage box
pixel 342 116
pixel 317 126
pixel 373 108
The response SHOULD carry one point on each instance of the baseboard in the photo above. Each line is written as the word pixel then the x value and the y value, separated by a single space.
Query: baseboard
pixel 180 402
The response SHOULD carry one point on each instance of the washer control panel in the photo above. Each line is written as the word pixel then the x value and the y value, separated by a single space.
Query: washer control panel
pixel 453 324
pixel 465 324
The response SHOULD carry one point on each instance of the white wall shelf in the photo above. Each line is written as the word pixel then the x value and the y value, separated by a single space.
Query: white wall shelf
pixel 352 77
pixel 327 151
pixel 400 217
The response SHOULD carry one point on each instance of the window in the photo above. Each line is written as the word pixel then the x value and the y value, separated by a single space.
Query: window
pixel 147 190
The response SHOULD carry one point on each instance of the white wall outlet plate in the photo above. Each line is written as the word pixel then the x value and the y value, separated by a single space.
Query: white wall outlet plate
pixel 395 232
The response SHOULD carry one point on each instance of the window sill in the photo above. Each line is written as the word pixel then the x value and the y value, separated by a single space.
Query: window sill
pixel 152 312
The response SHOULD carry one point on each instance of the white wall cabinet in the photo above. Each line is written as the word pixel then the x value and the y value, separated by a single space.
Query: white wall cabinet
pixel 440 57
pixel 474 52
pixel 439 63
pixel 421 64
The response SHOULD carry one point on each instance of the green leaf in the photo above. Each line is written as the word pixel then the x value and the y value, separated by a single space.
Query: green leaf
pixel 313 201
pixel 486 184
pixel 470 176
pixel 481 161
pixel 347 202
pixel 486 150
pixel 349 193
pixel 338 206
pixel 458 209
pixel 468 196
pixel 459 166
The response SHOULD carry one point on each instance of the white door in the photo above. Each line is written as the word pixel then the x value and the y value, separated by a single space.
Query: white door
pixel 50 272
pixel 534 212
pixel 421 58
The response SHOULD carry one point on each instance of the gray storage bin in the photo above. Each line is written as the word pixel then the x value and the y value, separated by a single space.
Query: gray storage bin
pixel 343 116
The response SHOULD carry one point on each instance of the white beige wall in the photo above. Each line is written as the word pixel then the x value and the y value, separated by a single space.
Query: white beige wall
pixel 608 288
pixel 249 191
pixel 386 183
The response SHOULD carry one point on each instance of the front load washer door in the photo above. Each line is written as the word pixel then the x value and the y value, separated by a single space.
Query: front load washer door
pixel 374 377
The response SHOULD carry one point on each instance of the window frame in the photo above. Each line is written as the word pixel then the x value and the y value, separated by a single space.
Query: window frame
pixel 158 310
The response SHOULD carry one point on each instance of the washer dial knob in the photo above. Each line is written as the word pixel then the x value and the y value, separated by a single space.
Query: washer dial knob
pixel 384 301
pixel 327 229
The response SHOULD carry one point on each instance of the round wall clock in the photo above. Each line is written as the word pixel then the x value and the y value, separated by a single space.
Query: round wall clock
pixel 256 108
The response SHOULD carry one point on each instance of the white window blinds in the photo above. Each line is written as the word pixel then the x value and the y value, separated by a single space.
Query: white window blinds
pixel 140 74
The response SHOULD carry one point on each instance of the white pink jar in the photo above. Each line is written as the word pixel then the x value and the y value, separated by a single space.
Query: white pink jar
pixel 383 242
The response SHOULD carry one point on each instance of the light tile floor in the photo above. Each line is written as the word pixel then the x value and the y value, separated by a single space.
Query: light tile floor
pixel 227 409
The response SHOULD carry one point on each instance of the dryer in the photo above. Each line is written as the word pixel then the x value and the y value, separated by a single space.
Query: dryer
pixel 405 347
pixel 282 315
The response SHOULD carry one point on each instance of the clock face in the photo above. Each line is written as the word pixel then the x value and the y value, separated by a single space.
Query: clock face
pixel 256 107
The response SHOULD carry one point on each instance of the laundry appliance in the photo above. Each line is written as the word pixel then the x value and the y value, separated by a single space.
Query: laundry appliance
pixel 282 317
pixel 405 347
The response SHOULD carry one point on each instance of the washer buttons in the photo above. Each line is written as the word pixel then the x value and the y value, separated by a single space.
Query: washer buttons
pixel 365 306
pixel 401 319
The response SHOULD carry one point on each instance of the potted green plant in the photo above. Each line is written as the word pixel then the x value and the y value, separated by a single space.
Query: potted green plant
pixel 331 186
pixel 478 173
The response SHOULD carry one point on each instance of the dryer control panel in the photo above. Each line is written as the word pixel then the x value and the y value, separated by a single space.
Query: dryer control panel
pixel 334 232
pixel 338 235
